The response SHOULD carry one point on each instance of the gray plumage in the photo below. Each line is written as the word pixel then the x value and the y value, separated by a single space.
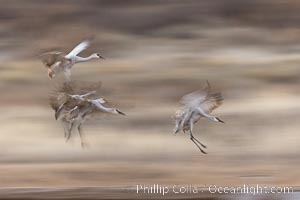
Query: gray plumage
pixel 57 62
pixel 74 101
pixel 196 105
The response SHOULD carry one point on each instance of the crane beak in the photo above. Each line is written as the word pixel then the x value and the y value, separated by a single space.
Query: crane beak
pixel 100 56
pixel 121 113
pixel 219 120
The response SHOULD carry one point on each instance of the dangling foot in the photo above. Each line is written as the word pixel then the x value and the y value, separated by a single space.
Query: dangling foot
pixel 84 145
pixel 199 147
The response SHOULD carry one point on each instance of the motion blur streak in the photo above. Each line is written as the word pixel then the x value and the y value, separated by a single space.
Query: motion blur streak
pixel 156 51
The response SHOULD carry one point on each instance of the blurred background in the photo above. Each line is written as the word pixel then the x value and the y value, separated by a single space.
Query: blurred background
pixel 156 51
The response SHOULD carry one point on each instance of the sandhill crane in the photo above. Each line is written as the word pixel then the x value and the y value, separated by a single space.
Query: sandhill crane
pixel 57 62
pixel 71 101
pixel 74 108
pixel 66 96
pixel 196 105
pixel 78 114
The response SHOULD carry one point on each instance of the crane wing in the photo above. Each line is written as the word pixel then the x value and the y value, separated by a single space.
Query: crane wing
pixel 50 58
pixel 212 102
pixel 79 48
pixel 195 98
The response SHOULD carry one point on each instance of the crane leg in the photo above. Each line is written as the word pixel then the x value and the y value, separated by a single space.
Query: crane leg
pixel 69 131
pixel 196 141
pixel 80 135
